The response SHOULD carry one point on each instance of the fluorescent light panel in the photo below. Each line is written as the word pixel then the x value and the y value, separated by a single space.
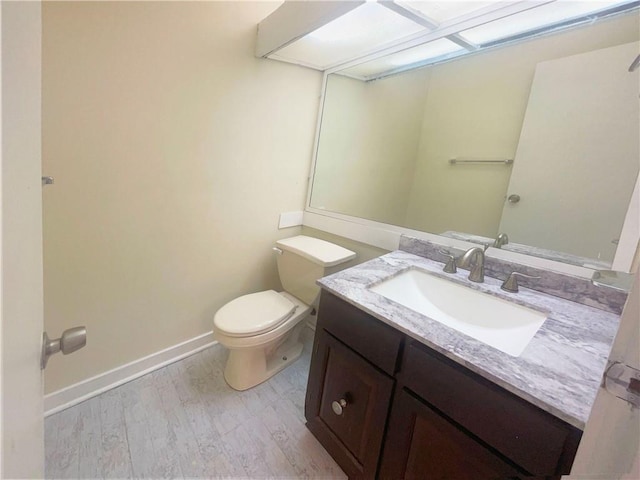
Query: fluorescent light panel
pixel 443 11
pixel 427 51
pixel 534 18
pixel 363 29
pixel 421 53
pixel 370 27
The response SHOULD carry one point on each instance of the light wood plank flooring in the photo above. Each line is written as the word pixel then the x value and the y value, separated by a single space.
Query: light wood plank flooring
pixel 184 421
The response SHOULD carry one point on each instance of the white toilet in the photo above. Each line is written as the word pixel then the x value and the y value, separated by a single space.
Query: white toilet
pixel 261 329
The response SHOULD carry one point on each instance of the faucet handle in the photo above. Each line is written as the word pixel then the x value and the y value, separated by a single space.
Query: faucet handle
pixel 450 266
pixel 511 283
pixel 501 239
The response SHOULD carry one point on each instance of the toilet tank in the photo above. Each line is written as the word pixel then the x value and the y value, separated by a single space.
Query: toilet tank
pixel 306 259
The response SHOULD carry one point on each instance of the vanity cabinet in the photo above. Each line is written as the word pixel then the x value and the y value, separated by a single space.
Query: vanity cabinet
pixel 468 427
pixel 350 387
pixel 403 410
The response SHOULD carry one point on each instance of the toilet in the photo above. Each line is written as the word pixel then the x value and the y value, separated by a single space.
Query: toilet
pixel 261 330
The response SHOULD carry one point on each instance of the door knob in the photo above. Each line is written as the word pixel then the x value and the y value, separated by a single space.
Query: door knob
pixel 513 198
pixel 71 340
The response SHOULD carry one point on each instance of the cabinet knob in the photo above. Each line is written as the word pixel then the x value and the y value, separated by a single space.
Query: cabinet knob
pixel 338 406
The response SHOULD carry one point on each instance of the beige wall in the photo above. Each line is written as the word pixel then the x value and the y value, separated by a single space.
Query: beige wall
pixel 475 108
pixel 173 149
pixel 368 143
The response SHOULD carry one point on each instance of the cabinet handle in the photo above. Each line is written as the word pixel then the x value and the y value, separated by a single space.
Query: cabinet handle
pixel 338 406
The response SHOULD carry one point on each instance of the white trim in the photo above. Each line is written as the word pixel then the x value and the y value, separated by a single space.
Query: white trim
pixel 628 243
pixel 293 61
pixel 2 435
pixel 316 142
pixel 84 390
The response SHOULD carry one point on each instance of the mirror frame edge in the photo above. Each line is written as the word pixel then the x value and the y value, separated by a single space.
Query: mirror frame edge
pixel 630 234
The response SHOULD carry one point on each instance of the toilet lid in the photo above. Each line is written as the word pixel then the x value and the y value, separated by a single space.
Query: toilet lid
pixel 253 314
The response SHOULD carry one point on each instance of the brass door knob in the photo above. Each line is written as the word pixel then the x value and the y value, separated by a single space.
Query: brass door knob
pixel 338 406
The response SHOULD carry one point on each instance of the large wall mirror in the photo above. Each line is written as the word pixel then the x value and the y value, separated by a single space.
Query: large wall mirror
pixel 539 139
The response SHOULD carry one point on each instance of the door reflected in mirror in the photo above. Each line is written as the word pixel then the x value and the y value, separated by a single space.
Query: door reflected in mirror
pixel 563 107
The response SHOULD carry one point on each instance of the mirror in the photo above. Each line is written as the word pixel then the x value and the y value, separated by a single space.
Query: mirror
pixel 562 107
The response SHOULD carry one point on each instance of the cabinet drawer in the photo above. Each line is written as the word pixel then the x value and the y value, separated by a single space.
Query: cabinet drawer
pixel 375 341
pixel 351 431
pixel 530 437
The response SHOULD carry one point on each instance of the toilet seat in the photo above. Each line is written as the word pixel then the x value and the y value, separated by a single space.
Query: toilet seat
pixel 253 314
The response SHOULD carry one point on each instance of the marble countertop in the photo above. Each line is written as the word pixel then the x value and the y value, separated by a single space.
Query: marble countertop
pixel 535 251
pixel 560 369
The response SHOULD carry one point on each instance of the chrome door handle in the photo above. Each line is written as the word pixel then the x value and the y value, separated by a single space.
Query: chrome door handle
pixel 71 340
pixel 514 198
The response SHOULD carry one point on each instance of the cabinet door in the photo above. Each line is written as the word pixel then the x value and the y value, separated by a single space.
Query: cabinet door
pixel 346 406
pixel 422 444
pixel 529 437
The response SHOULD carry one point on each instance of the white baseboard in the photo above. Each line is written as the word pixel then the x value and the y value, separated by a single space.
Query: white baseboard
pixel 81 391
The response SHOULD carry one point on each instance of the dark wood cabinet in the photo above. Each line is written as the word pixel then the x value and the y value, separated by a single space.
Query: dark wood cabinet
pixel 421 443
pixel 405 411
pixel 347 405
pixel 533 439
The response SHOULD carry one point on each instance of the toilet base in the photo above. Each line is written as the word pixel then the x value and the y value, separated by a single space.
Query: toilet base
pixel 247 368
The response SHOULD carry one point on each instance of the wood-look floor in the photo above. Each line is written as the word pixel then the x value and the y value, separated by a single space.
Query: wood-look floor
pixel 184 421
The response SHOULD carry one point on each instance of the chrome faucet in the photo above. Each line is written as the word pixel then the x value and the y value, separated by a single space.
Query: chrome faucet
pixel 473 259
pixel 500 240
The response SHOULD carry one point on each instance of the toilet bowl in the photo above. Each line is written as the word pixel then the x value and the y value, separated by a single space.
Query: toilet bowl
pixel 262 330
pixel 256 353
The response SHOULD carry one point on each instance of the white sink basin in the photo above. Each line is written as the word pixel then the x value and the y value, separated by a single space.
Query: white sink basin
pixel 503 325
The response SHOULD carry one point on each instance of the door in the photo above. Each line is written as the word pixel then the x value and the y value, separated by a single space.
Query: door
pixel 610 445
pixel 593 138
pixel 21 427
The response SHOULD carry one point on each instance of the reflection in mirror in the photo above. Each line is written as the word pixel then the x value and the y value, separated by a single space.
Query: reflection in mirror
pixel 562 106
